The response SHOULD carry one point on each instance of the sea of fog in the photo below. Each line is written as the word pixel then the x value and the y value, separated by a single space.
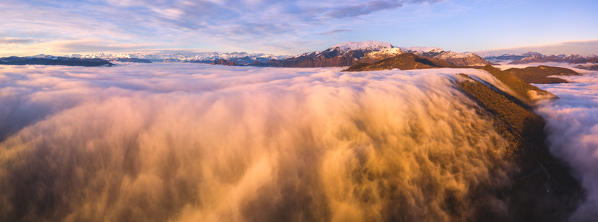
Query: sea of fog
pixel 573 132
pixel 189 142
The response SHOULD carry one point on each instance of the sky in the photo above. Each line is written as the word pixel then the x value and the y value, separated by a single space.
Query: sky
pixel 30 27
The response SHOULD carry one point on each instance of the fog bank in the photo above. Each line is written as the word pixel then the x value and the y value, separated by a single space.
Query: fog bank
pixel 573 133
pixel 189 142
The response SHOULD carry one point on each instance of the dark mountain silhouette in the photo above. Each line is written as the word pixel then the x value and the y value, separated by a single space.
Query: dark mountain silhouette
pixel 588 67
pixel 66 61
pixel 403 61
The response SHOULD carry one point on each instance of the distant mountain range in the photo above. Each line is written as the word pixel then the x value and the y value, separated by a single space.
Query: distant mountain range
pixel 588 66
pixel 344 54
pixel 54 60
pixel 535 57
pixel 231 58
pixel 101 59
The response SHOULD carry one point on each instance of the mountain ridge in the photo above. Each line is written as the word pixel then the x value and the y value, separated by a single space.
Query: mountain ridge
pixel 351 53
pixel 536 57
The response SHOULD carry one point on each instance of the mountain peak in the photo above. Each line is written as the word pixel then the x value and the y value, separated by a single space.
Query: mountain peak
pixel 370 45
pixel 424 49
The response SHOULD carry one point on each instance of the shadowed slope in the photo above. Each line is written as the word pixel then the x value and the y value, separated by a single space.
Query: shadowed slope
pixel 540 74
pixel 542 189
pixel 405 61
pixel 65 61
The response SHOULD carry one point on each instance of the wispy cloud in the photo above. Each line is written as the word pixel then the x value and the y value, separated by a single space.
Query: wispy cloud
pixel 223 24
pixel 278 26
pixel 95 45
pixel 9 40
pixel 67 47
pixel 364 8
pixel 335 31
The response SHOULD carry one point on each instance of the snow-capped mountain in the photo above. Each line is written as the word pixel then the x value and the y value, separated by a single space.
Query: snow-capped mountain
pixel 423 49
pixel 350 53
pixel 237 58
pixel 344 54
pixel 381 54
pixel 365 45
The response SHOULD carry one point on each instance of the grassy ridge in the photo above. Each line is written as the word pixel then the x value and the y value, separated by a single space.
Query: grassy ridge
pixel 543 188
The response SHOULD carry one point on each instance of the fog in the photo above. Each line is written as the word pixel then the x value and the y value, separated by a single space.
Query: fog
pixel 573 133
pixel 189 142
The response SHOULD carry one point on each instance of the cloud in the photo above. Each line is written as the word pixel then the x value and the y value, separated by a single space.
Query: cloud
pixel 335 31
pixel 364 8
pixel 223 24
pixel 16 41
pixel 573 128
pixel 188 142
pixel 94 45
pixel 67 47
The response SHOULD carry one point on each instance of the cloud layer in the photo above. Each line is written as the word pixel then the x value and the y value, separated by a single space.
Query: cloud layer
pixel 573 127
pixel 188 142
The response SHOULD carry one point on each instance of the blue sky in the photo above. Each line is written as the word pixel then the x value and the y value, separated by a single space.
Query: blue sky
pixel 287 27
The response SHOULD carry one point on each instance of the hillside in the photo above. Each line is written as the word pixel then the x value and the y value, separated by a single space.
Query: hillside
pixel 543 188
pixel 540 74
pixel 516 78
pixel 405 61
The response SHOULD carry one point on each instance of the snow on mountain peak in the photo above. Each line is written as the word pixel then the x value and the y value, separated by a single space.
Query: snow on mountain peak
pixel 438 52
pixel 424 49
pixel 455 55
pixel 387 52
pixel 371 45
